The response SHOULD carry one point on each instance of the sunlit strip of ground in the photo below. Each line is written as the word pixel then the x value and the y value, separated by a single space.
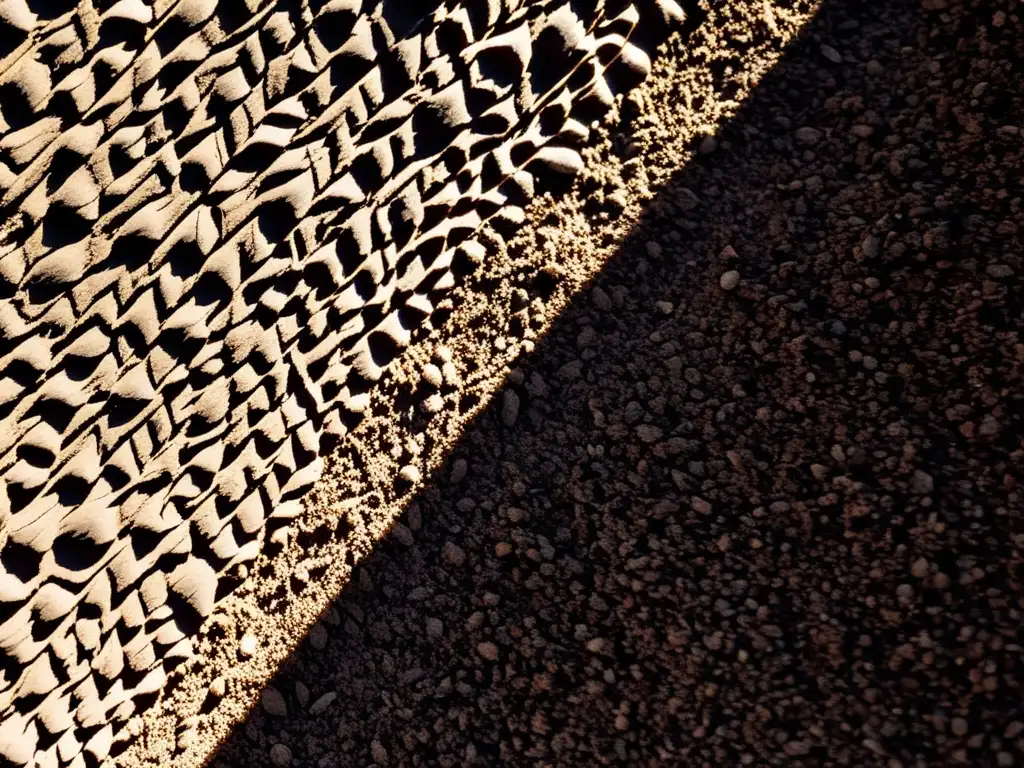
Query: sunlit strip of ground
pixel 497 315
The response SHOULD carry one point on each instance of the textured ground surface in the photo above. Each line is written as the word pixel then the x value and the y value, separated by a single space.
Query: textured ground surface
pixel 221 221
pixel 747 499
pixel 752 500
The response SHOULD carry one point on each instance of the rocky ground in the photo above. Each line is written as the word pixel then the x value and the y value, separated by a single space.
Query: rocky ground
pixel 748 498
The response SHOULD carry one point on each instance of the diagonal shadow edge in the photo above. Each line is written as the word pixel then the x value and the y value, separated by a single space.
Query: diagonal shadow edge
pixel 70 562
pixel 391 565
pixel 376 660
pixel 361 533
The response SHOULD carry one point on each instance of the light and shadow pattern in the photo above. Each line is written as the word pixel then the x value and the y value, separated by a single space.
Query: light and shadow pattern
pixel 220 222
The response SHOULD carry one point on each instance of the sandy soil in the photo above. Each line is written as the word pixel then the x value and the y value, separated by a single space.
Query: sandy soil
pixel 219 223
pixel 748 498
pixel 713 461
pixel 751 500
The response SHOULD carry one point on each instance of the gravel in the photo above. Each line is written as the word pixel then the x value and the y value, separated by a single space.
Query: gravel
pixel 778 524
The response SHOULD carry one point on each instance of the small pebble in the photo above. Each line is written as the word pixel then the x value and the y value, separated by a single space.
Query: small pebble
pixel 403 534
pixel 280 755
pixel 831 54
pixel 322 703
pixel 273 702
pixel 808 135
pixel 488 651
pixel 432 375
pixel 989 426
pixel 586 338
pixel 302 694
pixel 509 408
pixel 450 373
pixel 874 746
pixel 218 687
pixel 700 506
pixel 617 201
pixel 409 474
pixel 999 271
pixel 247 646
pixel 795 748
pixel 433 404
pixel 921 482
pixel 453 555
pixel 459 469
pixel 871 246
pixel 729 280
pixel 634 412
pixel 318 636
pixel 186 739
pixel 648 433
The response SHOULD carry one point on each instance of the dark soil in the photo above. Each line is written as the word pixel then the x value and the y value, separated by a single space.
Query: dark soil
pixel 753 499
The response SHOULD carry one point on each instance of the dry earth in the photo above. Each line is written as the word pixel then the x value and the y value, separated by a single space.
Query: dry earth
pixel 219 223
pixel 751 500
pixel 747 499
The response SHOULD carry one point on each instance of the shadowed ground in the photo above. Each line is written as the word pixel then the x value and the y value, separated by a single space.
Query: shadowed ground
pixel 752 499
